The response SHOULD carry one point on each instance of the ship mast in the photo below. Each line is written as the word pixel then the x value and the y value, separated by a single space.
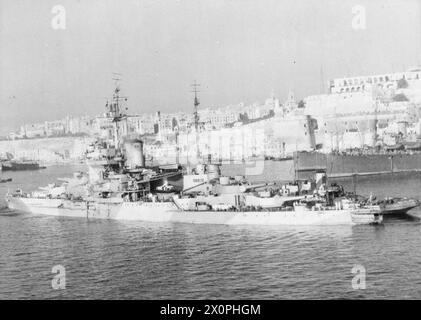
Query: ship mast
pixel 196 116
pixel 115 110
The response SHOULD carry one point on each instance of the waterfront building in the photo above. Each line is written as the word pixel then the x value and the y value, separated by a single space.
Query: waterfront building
pixel 55 128
pixel 367 111
pixel 359 129
pixel 32 130
pixel 218 118
pixel 141 124
pixel 78 125
pixel 365 83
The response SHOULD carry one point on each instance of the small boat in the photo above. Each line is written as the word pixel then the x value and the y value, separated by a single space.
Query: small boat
pixel 5 180
pixel 398 205
pixel 19 165
pixel 388 205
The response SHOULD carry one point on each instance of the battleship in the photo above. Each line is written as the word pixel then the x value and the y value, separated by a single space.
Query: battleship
pixel 118 185
pixel 235 204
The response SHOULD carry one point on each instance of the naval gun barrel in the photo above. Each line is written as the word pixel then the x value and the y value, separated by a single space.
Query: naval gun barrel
pixel 195 186
pixel 246 188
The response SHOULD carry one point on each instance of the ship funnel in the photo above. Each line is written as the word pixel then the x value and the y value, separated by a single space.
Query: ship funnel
pixel 134 153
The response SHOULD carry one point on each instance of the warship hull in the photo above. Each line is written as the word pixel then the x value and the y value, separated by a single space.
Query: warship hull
pixel 169 212
pixel 19 166
pixel 86 209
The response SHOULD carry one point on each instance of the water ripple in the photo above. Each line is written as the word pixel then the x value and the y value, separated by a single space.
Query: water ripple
pixel 135 260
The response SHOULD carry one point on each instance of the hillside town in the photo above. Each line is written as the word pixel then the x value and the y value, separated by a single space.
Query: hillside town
pixel 380 111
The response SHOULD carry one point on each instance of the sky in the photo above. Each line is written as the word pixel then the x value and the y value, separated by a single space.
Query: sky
pixel 238 50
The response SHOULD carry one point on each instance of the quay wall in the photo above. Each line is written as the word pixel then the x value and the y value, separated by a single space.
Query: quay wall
pixel 335 164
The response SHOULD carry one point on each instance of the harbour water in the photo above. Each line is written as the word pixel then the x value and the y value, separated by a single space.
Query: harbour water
pixel 136 260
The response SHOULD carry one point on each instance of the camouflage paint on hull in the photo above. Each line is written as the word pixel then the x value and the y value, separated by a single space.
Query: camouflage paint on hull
pixel 168 212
